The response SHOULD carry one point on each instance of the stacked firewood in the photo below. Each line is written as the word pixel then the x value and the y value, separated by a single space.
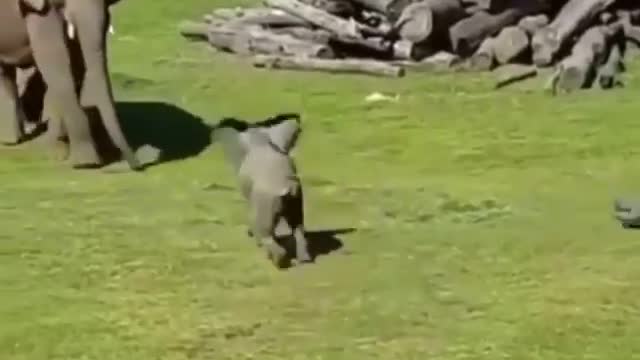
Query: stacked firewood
pixel 581 42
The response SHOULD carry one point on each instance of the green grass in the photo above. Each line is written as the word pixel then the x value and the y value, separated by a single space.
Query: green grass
pixel 484 228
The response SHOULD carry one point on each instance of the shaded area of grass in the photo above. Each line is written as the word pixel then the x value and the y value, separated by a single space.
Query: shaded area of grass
pixel 484 227
pixel 176 133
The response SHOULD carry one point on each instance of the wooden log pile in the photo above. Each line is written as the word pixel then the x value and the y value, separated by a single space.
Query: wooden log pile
pixel 584 41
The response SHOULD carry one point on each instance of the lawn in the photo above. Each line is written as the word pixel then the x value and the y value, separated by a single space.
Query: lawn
pixel 481 219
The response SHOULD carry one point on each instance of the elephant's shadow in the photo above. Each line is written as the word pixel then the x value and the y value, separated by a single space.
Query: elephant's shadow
pixel 174 133
pixel 319 242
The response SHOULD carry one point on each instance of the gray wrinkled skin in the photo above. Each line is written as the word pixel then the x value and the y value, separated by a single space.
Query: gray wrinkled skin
pixel 268 180
pixel 33 33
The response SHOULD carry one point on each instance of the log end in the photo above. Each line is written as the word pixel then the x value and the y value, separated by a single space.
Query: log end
pixel 569 79
pixel 193 30
pixel 511 43
pixel 400 71
pixel 264 61
pixel 542 58
pixel 324 52
pixel 481 62
pixel 415 23
pixel 403 49
pixel 544 46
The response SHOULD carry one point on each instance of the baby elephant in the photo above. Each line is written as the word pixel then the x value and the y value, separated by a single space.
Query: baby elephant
pixel 268 181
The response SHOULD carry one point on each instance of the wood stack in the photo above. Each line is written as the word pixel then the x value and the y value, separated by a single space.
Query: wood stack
pixel 584 40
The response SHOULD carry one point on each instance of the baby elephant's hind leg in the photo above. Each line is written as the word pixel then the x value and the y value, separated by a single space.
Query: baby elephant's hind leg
pixel 245 190
pixel 11 123
pixel 294 215
pixel 263 218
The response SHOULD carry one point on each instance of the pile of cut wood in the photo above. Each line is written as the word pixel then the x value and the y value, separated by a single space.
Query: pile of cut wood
pixel 581 42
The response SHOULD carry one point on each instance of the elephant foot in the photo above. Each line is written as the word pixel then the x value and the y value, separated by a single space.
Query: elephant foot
pixel 12 139
pixel 59 150
pixel 84 156
pixel 10 142
pixel 303 257
pixel 277 254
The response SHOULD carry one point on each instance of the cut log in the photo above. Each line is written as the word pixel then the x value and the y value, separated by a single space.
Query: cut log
pixel 193 30
pixel 391 9
pixel 370 67
pixel 484 58
pixel 511 73
pixel 263 16
pixel 632 15
pixel 467 34
pixel 511 44
pixel 375 20
pixel 342 28
pixel 487 5
pixel 376 47
pixel 440 62
pixel 533 23
pixel 575 71
pixel 317 17
pixel 380 6
pixel 403 49
pixel 428 20
pixel 319 36
pixel 341 8
pixel 222 37
pixel 228 13
pixel 406 50
pixel 608 73
pixel 572 18
pixel 606 18
pixel 255 40
pixel 473 9
pixel 415 23
pixel 631 32
pixel 269 17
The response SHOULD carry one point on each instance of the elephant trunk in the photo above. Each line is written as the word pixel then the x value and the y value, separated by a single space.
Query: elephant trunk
pixel 90 20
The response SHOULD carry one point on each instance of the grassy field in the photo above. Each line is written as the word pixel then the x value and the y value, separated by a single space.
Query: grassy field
pixel 482 219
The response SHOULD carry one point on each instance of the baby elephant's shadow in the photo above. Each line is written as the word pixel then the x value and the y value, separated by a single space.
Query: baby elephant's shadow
pixel 320 242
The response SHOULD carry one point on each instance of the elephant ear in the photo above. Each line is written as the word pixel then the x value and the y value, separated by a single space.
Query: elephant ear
pixel 234 145
pixel 285 134
pixel 37 5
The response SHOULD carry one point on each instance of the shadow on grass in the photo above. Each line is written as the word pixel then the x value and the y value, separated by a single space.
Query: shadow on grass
pixel 320 242
pixel 324 242
pixel 176 133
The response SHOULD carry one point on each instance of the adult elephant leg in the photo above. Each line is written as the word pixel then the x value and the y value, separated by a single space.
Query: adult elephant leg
pixel 46 33
pixel 90 19
pixel 56 135
pixel 11 121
